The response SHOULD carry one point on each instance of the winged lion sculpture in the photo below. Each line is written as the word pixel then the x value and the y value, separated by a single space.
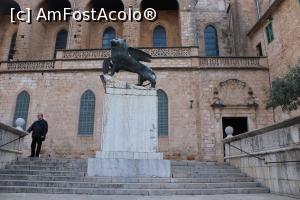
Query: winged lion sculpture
pixel 129 59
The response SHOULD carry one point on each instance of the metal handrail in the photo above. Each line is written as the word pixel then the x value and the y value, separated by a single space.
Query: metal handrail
pixel 265 162
pixel 2 145
pixel 247 152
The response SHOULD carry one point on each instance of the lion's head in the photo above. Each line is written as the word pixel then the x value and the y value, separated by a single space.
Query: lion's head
pixel 118 43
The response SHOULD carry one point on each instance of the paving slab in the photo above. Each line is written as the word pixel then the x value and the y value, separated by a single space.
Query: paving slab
pixel 29 196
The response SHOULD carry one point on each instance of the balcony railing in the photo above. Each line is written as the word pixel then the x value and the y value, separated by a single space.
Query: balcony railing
pixel 232 62
pixel 92 58
pixel 27 65
pixel 105 53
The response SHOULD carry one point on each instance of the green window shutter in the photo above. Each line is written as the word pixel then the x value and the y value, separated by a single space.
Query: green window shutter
pixel 269 32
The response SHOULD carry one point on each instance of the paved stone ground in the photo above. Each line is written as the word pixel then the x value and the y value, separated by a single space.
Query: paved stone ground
pixel 12 196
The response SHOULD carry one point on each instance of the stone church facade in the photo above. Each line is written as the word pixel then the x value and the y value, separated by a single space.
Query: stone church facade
pixel 213 60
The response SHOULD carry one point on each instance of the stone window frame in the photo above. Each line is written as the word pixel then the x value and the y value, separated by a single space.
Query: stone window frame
pixel 12 47
pixel 165 112
pixel 231 111
pixel 154 37
pixel 216 42
pixel 63 30
pixel 86 117
pixel 22 107
pixel 109 28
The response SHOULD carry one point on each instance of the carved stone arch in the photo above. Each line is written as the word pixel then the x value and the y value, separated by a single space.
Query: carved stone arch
pixel 40 3
pixel 179 2
pixel 233 92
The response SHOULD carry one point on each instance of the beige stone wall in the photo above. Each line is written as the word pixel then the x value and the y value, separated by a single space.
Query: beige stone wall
pixel 283 52
pixel 194 129
pixel 6 33
pixel 58 97
pixel 242 17
pixel 184 27
pixel 234 98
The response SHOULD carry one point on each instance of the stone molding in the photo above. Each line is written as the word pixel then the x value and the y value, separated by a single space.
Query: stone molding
pixel 280 125
pixel 12 130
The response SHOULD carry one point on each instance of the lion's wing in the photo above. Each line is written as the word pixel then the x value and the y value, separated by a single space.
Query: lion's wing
pixel 139 55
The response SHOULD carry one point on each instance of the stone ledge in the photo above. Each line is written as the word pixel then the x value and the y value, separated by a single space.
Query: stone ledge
pixel 12 130
pixel 272 151
pixel 129 167
pixel 280 125
pixel 128 155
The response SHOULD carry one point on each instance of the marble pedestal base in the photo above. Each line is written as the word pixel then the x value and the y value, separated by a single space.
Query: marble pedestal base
pixel 129 139
pixel 129 167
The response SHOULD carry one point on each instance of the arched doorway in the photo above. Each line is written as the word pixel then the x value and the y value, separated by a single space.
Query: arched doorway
pixel 168 18
pixel 8 31
pixel 48 30
pixel 95 31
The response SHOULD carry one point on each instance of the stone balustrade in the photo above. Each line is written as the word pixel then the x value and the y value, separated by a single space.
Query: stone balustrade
pixel 277 156
pixel 173 52
pixel 12 150
pixel 232 62
pixel 87 57
pixel 27 66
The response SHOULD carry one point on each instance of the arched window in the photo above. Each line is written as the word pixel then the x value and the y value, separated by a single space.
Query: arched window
pixel 108 35
pixel 12 48
pixel 163 113
pixel 159 37
pixel 22 106
pixel 87 113
pixel 211 41
pixel 61 40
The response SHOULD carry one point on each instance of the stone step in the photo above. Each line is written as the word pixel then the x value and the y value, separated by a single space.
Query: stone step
pixel 82 161
pixel 84 169
pixel 196 163
pixel 50 160
pixel 206 175
pixel 93 191
pixel 123 180
pixel 66 184
pixel 47 168
pixel 50 164
pixel 39 172
pixel 203 167
pixel 78 173
pixel 206 171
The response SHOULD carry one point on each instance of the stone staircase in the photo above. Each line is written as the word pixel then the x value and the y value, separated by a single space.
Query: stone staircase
pixel 69 177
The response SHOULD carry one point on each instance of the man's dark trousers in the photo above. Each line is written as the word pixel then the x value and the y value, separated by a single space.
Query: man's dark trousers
pixel 38 141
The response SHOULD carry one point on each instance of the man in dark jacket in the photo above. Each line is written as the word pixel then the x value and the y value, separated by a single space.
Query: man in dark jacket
pixel 39 130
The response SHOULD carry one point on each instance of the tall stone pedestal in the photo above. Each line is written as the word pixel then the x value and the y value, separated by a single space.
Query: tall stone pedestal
pixel 129 139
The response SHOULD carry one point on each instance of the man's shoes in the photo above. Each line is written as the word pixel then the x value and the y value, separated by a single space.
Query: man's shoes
pixel 31 156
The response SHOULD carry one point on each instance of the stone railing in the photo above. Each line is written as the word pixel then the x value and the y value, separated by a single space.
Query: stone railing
pixel 271 155
pixel 172 52
pixel 12 150
pixel 27 66
pixel 91 59
pixel 232 62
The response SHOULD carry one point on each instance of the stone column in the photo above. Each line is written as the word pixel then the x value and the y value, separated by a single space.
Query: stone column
pixel 188 30
pixel 131 30
pixel 24 38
